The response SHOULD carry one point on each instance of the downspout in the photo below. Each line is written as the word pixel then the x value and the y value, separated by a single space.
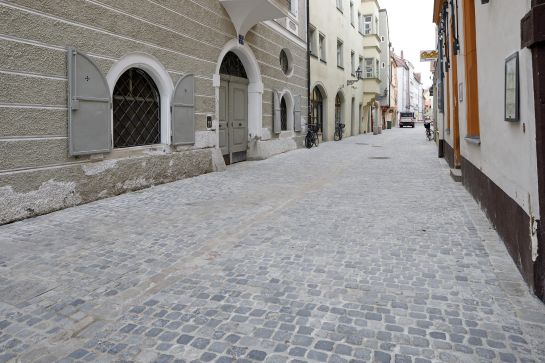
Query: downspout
pixel 533 37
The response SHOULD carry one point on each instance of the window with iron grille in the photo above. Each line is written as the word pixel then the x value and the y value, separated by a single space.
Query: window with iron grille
pixel 136 110
pixel 232 66
pixel 283 115
pixel 284 62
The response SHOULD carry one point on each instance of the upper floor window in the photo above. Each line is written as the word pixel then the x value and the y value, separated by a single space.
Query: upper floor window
pixel 370 68
pixel 352 13
pixel 293 6
pixel 322 47
pixel 340 50
pixel 368 24
pixel 340 5
pixel 360 23
pixel 312 41
pixel 353 63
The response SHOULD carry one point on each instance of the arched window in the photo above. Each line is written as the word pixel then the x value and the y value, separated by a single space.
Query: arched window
pixel 136 110
pixel 317 109
pixel 283 115
pixel 338 109
pixel 232 66
pixel 284 62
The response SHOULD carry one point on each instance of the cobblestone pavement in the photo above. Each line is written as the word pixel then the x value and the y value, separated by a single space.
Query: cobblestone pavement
pixel 356 251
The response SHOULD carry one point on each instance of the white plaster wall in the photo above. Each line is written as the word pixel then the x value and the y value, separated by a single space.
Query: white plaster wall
pixel 507 154
pixel 336 25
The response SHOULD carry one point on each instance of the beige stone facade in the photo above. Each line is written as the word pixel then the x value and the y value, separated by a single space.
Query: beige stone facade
pixel 168 39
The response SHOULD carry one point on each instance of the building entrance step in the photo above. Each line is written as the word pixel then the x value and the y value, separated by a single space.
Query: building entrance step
pixel 456 174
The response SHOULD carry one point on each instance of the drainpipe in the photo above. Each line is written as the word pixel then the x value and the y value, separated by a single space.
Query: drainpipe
pixel 533 37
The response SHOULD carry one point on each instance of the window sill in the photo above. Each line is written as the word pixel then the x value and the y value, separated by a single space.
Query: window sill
pixel 475 140
pixel 341 68
pixel 313 55
pixel 323 61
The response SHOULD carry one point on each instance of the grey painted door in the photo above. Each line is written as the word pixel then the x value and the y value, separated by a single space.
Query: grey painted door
pixel 233 114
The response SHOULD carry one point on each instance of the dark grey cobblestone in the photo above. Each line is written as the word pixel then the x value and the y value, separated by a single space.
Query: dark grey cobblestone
pixel 300 258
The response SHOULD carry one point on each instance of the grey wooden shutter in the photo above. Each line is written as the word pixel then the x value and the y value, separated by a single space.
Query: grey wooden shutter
pixel 277 122
pixel 183 112
pixel 297 113
pixel 89 104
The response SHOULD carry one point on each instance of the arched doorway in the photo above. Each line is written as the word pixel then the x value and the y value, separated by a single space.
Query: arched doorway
pixel 233 109
pixel 317 109
pixel 136 110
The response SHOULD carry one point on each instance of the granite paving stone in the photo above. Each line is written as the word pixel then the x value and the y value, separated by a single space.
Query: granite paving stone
pixel 363 250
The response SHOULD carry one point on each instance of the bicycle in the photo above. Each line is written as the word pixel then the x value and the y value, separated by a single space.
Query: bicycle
pixel 339 131
pixel 312 136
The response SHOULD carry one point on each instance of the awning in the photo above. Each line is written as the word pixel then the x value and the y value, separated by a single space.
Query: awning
pixel 246 13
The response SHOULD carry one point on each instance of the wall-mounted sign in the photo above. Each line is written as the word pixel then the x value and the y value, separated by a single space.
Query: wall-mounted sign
pixel 428 55
pixel 512 88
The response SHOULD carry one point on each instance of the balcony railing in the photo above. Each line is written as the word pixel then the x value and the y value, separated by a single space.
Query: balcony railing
pixel 245 14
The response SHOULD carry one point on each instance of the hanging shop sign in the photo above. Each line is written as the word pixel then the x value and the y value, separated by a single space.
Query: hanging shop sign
pixel 428 55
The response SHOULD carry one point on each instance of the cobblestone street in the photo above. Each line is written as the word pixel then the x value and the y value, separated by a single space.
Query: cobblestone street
pixel 343 253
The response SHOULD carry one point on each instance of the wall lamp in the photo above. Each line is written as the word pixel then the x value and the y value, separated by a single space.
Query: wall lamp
pixel 359 72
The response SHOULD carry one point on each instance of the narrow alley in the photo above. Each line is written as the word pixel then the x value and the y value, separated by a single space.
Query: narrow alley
pixel 355 251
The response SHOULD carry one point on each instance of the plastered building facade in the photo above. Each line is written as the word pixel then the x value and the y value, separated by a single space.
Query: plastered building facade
pixel 103 97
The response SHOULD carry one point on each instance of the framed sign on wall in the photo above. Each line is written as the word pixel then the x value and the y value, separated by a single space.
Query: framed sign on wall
pixel 512 88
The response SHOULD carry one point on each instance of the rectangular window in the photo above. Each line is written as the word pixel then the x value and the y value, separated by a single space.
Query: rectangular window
pixel 340 5
pixel 340 51
pixel 322 47
pixel 369 71
pixel 360 24
pixel 361 63
pixel 353 63
pixel 367 24
pixel 293 6
pixel 377 68
pixel 312 46
pixel 352 13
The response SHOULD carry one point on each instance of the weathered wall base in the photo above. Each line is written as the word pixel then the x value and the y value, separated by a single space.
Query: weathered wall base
pixel 448 154
pixel 36 192
pixel 264 149
pixel 511 222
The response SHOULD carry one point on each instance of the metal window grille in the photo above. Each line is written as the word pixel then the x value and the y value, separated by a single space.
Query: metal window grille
pixel 284 62
pixel 232 66
pixel 283 115
pixel 137 110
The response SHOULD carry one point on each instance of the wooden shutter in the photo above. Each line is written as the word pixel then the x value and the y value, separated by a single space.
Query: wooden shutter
pixel 89 105
pixel 297 113
pixel 183 111
pixel 277 122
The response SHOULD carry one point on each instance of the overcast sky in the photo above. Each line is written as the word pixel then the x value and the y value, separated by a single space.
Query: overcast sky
pixel 412 30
